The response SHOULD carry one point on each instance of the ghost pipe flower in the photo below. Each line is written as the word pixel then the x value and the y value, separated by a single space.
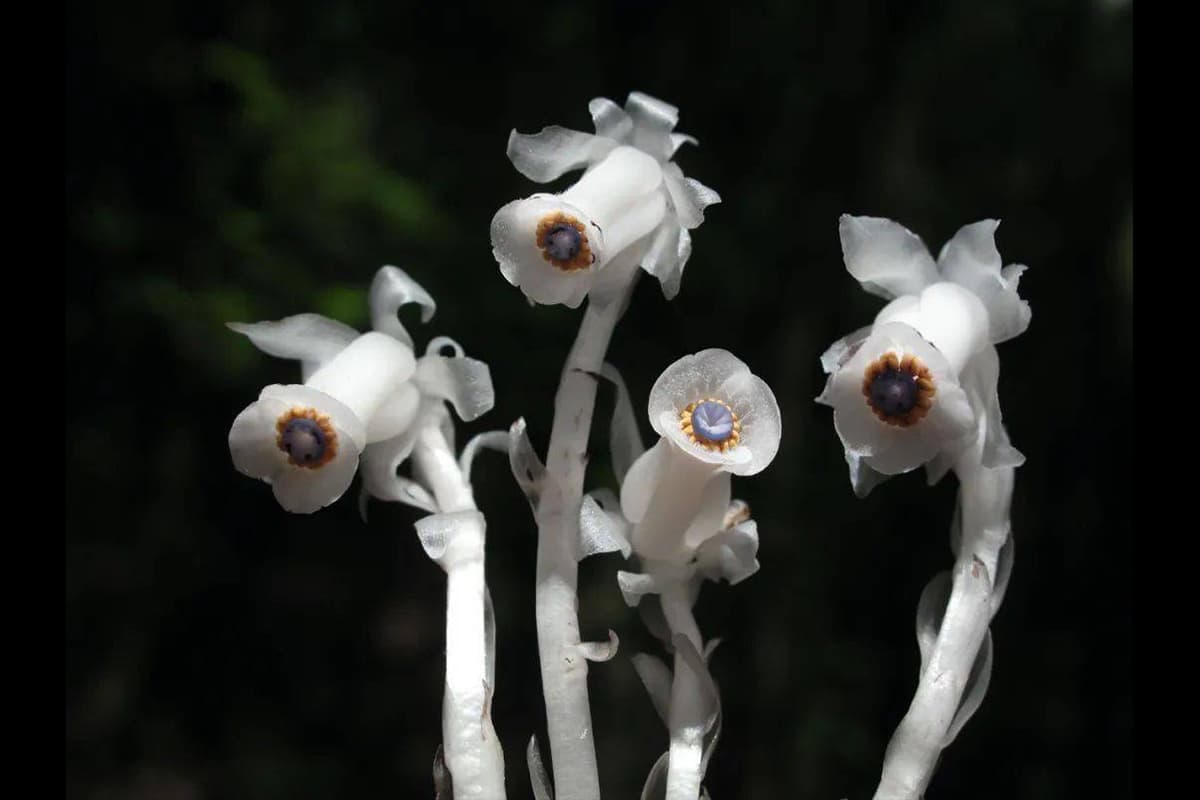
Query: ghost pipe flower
pixel 919 388
pixel 716 419
pixel 306 440
pixel 389 407
pixel 631 206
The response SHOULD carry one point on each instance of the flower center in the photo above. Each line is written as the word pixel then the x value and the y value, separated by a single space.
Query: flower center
pixel 899 391
pixel 564 242
pixel 307 437
pixel 711 424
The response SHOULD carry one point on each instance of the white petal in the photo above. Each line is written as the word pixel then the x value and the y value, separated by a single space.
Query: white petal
pixel 972 260
pixel 679 140
pixel 304 337
pixel 392 289
pixel 688 196
pixel 514 245
pixel 885 257
pixel 252 441
pixel 843 349
pixel 395 414
pixel 600 531
pixel 555 151
pixel 731 555
pixel 863 478
pixel 948 316
pixel 465 382
pixel 642 479
pixel 600 651
pixel 366 373
pixel 622 196
pixel 635 585
pixel 981 381
pixel 668 254
pixel 653 121
pixel 610 120
pixel 684 491
pixel 527 468
pixel 710 516
pixel 488 440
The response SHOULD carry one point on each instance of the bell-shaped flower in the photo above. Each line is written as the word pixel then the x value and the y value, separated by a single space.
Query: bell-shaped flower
pixel 305 440
pixel 376 391
pixel 632 206
pixel 919 385
pixel 715 419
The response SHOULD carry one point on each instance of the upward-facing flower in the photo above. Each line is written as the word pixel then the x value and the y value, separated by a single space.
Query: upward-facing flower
pixel 715 418
pixel 919 385
pixel 360 392
pixel 632 206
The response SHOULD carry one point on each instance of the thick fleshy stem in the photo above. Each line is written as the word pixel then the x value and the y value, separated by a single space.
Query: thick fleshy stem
pixel 984 500
pixel 687 715
pixel 472 752
pixel 564 668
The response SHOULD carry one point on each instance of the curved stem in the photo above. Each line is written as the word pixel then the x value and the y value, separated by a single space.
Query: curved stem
pixel 472 752
pixel 686 717
pixel 564 669
pixel 984 497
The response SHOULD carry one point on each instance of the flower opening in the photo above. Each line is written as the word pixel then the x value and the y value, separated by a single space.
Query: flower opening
pixel 899 390
pixel 563 242
pixel 711 423
pixel 307 436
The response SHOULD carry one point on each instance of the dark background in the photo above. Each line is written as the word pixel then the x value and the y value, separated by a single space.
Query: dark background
pixel 248 160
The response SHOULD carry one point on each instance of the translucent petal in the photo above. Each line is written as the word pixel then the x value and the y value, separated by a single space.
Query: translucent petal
pixel 710 516
pixel 634 585
pixel 465 382
pixel 863 478
pixel 600 531
pixel 304 337
pixel 555 151
pixel 972 260
pixel 610 119
pixel 843 349
pixel 391 289
pixel 981 381
pixel 667 255
pixel 679 140
pixel 252 441
pixel 886 258
pixel 688 196
pixel 653 121
pixel 731 555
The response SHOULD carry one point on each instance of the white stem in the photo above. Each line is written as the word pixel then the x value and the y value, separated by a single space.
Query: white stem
pixel 912 754
pixel 472 752
pixel 564 669
pixel 686 717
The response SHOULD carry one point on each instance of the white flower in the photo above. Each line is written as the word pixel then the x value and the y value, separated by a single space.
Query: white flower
pixel 361 394
pixel 632 206
pixel 716 419
pixel 919 385
pixel 305 440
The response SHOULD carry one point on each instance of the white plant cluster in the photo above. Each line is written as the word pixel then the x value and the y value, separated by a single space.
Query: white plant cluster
pixel 916 388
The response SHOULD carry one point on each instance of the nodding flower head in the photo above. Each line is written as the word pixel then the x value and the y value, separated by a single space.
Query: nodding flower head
pixel 632 206
pixel 716 419
pixel 919 385
pixel 361 394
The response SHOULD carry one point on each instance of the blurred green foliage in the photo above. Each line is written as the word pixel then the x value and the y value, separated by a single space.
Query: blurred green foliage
pixel 245 161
